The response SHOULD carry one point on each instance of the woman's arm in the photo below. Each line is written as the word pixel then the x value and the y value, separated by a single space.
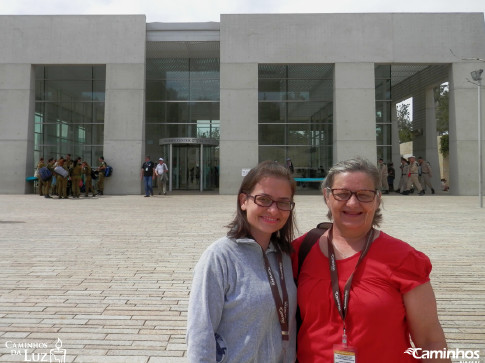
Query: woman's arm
pixel 422 316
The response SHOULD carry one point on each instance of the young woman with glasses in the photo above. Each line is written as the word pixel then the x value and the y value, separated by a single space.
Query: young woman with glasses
pixel 363 295
pixel 243 299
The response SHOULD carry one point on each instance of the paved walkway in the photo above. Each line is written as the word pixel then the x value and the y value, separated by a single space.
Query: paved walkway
pixel 110 276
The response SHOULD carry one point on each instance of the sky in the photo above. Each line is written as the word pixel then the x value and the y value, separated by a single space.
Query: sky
pixel 210 10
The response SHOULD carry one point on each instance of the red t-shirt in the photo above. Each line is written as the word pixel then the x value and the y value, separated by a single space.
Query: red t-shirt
pixel 376 316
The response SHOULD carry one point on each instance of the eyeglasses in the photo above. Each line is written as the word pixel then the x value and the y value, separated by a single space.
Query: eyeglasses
pixel 364 196
pixel 265 201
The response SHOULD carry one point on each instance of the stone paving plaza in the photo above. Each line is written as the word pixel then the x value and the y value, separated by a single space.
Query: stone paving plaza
pixel 110 276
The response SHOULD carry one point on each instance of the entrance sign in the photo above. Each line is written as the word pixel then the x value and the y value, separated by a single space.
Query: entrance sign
pixel 188 140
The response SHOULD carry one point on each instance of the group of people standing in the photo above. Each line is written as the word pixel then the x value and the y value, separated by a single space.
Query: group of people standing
pixel 362 295
pixel 69 177
pixel 415 175
pixel 151 171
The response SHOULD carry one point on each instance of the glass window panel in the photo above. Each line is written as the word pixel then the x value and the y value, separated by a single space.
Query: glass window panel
pixel 271 90
pixel 156 90
pixel 310 71
pixel 308 162
pixel 204 68
pixel 39 73
pixel 383 89
pixel 69 91
pixel 98 112
pixel 383 111
pixel 310 90
pixel 204 111
pixel 205 90
pixel 295 134
pixel 176 90
pixel 68 72
pixel 156 131
pixel 99 72
pixel 383 134
pixel 272 134
pixel 167 112
pixel 66 120
pixel 384 152
pixel 39 90
pixel 383 71
pixel 310 112
pixel 167 68
pixel 272 71
pixel 99 93
pixel 272 112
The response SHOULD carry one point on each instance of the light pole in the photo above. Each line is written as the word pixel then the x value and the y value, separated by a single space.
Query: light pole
pixel 477 77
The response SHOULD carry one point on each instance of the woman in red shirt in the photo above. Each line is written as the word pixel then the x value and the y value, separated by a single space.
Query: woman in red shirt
pixel 363 294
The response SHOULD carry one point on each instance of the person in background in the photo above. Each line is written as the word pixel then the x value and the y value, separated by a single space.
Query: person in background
pixel 147 174
pixel 363 294
pixel 391 175
pixel 413 177
pixel 88 181
pixel 161 172
pixel 426 174
pixel 61 180
pixel 40 182
pixel 243 300
pixel 76 172
pixel 383 173
pixel 101 169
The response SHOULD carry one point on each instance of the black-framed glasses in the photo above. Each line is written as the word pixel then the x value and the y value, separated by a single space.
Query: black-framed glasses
pixel 265 201
pixel 364 196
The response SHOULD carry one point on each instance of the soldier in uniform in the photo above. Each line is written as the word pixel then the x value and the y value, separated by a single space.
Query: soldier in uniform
pixel 68 163
pixel 403 182
pixel 41 183
pixel 413 176
pixel 88 182
pixel 61 180
pixel 425 174
pixel 47 183
pixel 76 178
pixel 101 169
pixel 383 185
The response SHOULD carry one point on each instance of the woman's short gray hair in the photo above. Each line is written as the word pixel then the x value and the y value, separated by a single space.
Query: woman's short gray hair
pixel 352 166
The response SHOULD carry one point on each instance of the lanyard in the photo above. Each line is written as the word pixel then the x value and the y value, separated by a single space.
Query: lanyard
pixel 334 277
pixel 281 306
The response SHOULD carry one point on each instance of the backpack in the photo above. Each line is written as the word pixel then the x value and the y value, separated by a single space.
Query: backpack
pixel 108 171
pixel 45 173
pixel 310 239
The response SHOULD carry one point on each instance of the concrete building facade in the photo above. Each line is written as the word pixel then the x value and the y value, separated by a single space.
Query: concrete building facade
pixel 216 98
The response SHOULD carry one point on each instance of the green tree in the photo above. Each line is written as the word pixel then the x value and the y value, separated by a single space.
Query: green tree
pixel 441 97
pixel 404 123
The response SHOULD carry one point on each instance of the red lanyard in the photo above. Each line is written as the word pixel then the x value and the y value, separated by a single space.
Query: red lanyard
pixel 281 306
pixel 334 277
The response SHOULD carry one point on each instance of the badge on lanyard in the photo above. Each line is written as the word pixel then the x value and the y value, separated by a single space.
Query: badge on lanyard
pixel 343 353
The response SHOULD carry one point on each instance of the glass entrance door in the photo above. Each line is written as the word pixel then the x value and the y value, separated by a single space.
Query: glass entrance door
pixel 192 166
pixel 186 168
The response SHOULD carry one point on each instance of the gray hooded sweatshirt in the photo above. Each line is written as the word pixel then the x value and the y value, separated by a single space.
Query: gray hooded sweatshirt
pixel 231 302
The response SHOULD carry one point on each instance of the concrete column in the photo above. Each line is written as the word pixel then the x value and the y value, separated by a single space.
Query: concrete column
pixel 431 145
pixel 464 129
pixel 239 123
pixel 16 127
pixel 354 111
pixel 124 127
pixel 396 149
